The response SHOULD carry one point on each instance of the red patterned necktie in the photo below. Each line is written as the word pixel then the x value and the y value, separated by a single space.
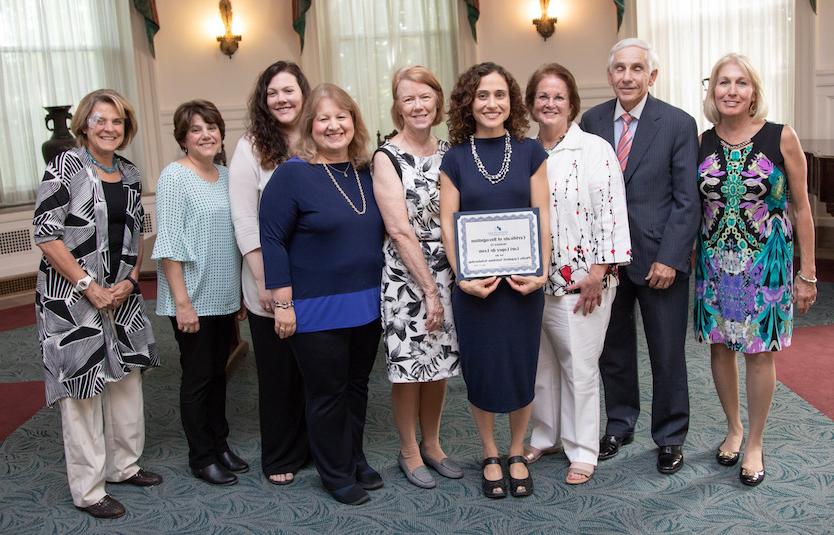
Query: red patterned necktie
pixel 624 146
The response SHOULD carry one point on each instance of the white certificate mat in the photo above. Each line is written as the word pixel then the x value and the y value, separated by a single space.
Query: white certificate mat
pixel 497 243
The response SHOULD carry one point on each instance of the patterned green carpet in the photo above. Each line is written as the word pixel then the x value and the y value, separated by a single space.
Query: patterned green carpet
pixel 626 495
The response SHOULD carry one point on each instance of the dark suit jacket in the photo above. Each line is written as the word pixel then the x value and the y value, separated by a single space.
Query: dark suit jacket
pixel 661 184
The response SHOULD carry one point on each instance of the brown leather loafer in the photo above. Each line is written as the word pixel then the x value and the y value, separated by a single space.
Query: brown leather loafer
pixel 142 478
pixel 107 507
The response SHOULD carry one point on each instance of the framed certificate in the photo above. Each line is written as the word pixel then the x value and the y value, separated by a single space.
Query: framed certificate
pixel 498 242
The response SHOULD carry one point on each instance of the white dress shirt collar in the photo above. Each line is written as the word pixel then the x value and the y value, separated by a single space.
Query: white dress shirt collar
pixel 635 112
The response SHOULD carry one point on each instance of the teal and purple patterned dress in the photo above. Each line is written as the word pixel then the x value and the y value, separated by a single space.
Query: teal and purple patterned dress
pixel 744 269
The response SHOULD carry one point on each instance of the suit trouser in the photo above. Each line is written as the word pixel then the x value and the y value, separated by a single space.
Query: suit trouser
pixel 103 438
pixel 566 406
pixel 280 400
pixel 203 357
pixel 665 314
pixel 336 365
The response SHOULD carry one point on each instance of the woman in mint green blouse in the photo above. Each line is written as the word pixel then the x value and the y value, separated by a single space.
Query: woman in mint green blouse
pixel 199 284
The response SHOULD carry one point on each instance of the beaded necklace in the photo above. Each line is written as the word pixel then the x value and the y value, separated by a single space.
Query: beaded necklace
pixel 505 164
pixel 101 165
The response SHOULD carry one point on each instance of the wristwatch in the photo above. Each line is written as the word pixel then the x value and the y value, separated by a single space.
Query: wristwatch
pixel 83 284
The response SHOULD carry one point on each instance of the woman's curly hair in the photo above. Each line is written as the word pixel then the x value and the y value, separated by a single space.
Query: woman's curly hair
pixel 264 129
pixel 461 122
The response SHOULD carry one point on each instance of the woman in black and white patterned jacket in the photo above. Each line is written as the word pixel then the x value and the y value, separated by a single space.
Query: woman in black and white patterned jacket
pixel 94 334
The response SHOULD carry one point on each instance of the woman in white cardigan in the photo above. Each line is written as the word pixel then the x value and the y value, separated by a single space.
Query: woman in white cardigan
pixel 274 108
pixel 589 225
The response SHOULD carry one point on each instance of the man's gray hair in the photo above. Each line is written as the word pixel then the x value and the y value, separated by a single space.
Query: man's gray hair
pixel 654 61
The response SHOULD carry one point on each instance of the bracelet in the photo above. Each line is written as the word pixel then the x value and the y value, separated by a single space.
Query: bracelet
pixel 134 283
pixel 806 279
pixel 283 304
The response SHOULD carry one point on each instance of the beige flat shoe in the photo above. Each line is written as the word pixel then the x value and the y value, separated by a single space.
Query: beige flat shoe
pixel 532 454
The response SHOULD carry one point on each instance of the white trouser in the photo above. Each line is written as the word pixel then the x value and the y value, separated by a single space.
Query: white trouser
pixel 566 406
pixel 103 438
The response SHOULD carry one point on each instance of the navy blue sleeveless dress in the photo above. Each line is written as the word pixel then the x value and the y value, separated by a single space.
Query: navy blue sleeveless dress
pixel 498 336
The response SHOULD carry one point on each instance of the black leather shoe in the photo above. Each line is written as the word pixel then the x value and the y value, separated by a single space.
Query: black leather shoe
pixel 107 507
pixel 142 478
pixel 216 474
pixel 669 459
pixel 353 495
pixel 233 462
pixel 369 479
pixel 609 445
pixel 750 478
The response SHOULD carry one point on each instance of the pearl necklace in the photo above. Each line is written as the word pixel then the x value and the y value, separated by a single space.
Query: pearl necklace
pixel 101 165
pixel 358 183
pixel 505 165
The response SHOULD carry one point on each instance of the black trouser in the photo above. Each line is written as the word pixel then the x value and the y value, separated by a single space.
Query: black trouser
pixel 280 400
pixel 203 357
pixel 335 365
pixel 664 315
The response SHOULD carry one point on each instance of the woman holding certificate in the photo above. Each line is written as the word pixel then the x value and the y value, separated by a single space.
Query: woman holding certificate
pixel 492 166
pixel 589 224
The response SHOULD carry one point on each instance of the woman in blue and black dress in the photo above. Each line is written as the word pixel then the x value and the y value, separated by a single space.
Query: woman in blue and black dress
pixel 492 166
pixel 745 288
pixel 321 237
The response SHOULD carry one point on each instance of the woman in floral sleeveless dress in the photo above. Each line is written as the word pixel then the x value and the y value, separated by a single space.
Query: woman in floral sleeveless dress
pixel 745 289
pixel 421 346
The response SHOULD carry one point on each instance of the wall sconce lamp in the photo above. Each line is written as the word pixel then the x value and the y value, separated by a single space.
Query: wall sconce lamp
pixel 228 41
pixel 545 25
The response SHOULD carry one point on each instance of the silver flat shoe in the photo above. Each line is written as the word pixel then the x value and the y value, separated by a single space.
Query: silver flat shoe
pixel 420 477
pixel 445 467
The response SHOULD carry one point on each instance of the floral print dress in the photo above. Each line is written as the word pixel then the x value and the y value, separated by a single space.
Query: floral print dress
pixel 744 269
pixel 412 354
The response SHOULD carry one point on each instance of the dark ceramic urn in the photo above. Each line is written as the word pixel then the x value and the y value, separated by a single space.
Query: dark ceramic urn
pixel 61 139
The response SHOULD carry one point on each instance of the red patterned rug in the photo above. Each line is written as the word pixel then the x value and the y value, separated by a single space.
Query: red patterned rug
pixel 807 366
pixel 18 403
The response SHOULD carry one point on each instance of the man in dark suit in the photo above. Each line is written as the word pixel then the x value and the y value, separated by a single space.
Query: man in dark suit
pixel 657 147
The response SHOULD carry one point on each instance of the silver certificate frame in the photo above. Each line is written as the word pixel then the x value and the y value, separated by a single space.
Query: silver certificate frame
pixel 498 243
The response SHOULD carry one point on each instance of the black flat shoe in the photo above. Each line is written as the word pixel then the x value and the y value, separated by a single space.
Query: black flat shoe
pixel 669 459
pixel 107 507
pixel 609 445
pixel 726 458
pixel 353 495
pixel 493 489
pixel 750 478
pixel 216 474
pixel 233 462
pixel 520 488
pixel 368 478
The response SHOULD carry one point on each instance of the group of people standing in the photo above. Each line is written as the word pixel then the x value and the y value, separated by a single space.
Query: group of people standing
pixel 327 248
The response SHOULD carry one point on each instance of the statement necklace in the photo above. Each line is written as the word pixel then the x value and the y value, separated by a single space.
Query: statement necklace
pixel 338 187
pixel 101 165
pixel 505 165
pixel 551 149
pixel 343 171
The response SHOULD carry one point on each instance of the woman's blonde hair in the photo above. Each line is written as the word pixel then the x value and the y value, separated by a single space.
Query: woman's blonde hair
pixel 358 147
pixel 85 108
pixel 421 75
pixel 758 105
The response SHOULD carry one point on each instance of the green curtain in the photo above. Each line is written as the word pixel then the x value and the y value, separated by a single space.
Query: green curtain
pixel 147 8
pixel 300 8
pixel 620 5
pixel 473 12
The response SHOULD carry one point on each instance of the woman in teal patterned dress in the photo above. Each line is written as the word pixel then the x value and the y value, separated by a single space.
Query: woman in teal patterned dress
pixel 745 287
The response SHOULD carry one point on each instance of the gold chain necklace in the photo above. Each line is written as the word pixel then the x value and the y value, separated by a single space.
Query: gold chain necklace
pixel 358 183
